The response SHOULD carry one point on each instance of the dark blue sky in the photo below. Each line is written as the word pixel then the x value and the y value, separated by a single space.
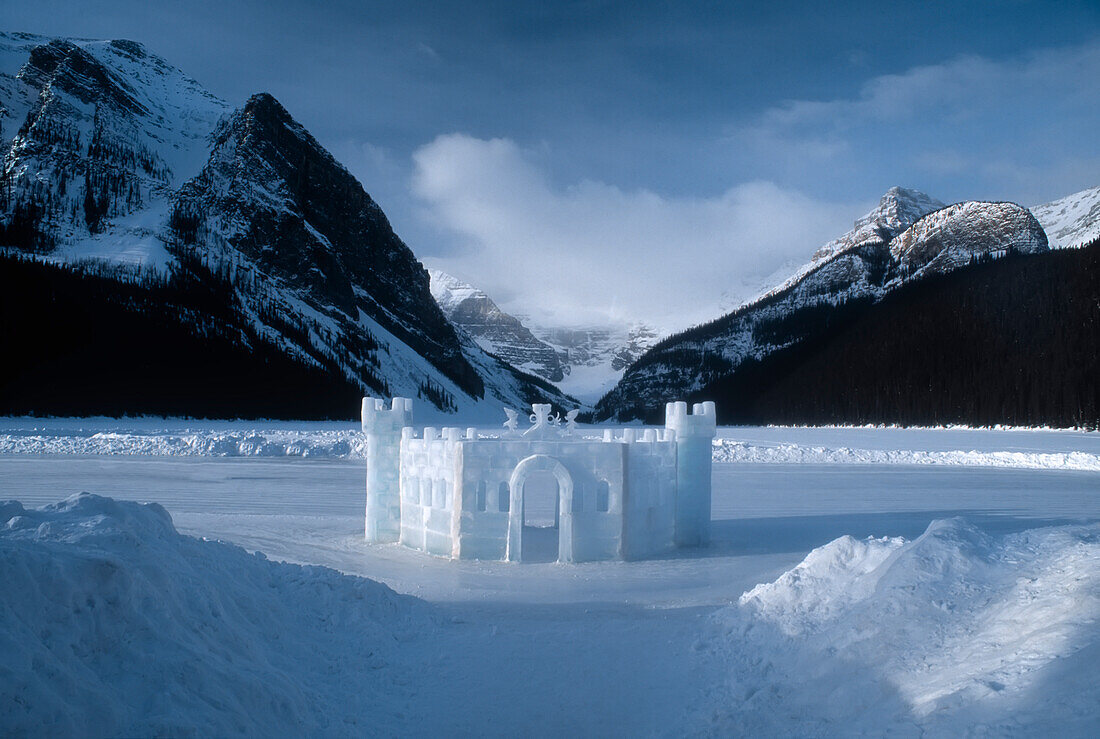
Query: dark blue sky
pixel 661 106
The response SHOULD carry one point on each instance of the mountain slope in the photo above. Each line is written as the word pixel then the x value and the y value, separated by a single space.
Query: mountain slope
pixel 898 209
pixel 1010 341
pixel 866 267
pixel 111 154
pixel 96 136
pixel 1071 221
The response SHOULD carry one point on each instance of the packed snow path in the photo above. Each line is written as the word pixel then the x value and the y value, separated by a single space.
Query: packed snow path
pixel 661 647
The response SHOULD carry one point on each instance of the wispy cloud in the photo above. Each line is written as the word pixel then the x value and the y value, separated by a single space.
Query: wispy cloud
pixel 594 251
pixel 1027 114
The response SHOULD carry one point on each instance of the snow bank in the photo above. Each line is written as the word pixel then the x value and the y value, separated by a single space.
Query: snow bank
pixel 955 633
pixel 113 623
pixel 729 450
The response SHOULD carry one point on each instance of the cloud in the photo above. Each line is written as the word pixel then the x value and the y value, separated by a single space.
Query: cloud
pixel 591 251
pixel 1034 113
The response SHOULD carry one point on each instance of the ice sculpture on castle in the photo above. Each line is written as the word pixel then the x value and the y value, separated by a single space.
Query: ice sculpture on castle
pixel 629 495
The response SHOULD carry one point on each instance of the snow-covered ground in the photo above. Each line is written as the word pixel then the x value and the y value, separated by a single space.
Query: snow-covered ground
pixel 974 609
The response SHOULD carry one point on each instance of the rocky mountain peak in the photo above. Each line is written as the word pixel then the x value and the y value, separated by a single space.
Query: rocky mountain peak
pixel 65 66
pixel 898 209
pixel 951 237
pixel 273 198
pixel 497 332
pixel 114 156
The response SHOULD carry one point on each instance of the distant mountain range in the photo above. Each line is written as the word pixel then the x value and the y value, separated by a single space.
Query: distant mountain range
pixel 584 361
pixel 1013 340
pixel 908 239
pixel 112 155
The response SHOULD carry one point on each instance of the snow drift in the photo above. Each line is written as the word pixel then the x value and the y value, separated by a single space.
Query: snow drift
pixel 113 623
pixel 955 632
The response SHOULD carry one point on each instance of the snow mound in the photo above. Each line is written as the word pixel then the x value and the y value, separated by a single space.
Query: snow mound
pixel 831 578
pixel 112 623
pixel 953 633
pixel 729 450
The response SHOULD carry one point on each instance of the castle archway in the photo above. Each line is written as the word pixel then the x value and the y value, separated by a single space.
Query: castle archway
pixel 540 510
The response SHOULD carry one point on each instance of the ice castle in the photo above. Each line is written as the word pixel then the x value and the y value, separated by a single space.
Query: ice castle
pixel 542 494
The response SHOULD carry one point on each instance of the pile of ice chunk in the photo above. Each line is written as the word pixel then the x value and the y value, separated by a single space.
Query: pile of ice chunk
pixel 145 437
pixel 348 444
pixel 729 450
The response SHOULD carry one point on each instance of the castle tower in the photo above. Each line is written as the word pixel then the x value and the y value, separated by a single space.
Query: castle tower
pixel 383 429
pixel 694 433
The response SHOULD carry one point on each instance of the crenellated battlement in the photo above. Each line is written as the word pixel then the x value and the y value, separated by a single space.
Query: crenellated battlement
pixel 377 418
pixel 702 422
pixel 647 436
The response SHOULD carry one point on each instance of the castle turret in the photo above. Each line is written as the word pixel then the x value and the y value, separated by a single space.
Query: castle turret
pixel 694 433
pixel 383 429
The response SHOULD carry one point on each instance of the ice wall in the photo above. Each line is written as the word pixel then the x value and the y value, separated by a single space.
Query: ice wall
pixel 694 434
pixel 591 512
pixel 649 511
pixel 383 429
pixel 428 506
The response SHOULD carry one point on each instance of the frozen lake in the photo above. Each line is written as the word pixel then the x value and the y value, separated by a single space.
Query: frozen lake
pixel 765 518
pixel 599 648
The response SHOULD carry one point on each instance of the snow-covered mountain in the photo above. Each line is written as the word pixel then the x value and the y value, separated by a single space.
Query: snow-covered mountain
pixel 1071 221
pixel 584 361
pixel 897 210
pixel 595 357
pixel 497 332
pixel 907 237
pixel 96 137
pixel 112 154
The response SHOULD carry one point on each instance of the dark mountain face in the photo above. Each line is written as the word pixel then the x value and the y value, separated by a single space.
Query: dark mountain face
pixel 272 194
pixel 65 66
pixel 1011 341
pixel 866 265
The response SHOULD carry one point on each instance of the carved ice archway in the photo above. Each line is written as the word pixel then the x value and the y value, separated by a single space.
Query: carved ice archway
pixel 526 467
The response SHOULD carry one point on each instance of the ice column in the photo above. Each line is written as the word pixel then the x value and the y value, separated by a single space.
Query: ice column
pixel 383 429
pixel 694 433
